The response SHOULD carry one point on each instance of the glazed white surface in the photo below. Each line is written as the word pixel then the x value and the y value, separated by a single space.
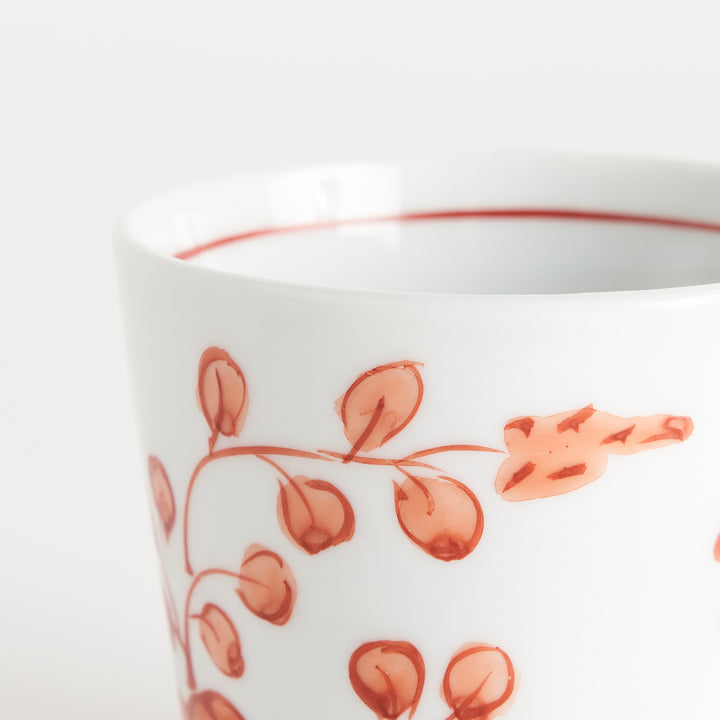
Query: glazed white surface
pixel 613 584
pixel 486 256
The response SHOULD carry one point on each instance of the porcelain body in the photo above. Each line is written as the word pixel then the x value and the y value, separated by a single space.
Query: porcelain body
pixel 429 450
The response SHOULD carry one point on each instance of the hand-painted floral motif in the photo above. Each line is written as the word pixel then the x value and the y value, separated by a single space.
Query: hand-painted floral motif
pixel 162 494
pixel 314 514
pixel 221 640
pixel 210 705
pixel 267 585
pixel 221 394
pixel 388 677
pixel 379 404
pixel 439 514
pixel 557 454
pixel 479 682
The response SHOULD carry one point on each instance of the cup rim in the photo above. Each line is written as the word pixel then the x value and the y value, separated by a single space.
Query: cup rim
pixel 126 240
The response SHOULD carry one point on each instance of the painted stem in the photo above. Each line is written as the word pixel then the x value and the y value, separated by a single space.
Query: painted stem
pixel 452 448
pixel 391 690
pixel 468 701
pixel 233 452
pixel 167 592
pixel 276 466
pixel 428 497
pixel 363 460
pixel 327 455
pixel 374 420
pixel 191 683
pixel 291 481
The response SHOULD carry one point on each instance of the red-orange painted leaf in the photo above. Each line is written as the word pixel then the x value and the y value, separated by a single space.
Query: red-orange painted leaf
pixel 561 453
pixel 221 640
pixel 717 549
pixel 379 404
pixel 221 393
pixel 267 585
pixel 185 709
pixel 162 494
pixel 210 705
pixel 440 515
pixel 479 682
pixel 388 676
pixel 314 514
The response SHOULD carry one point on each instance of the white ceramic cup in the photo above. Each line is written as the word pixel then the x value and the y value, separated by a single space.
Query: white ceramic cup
pixel 435 437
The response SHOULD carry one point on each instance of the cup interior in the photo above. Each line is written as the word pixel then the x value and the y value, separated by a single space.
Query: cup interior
pixel 495 224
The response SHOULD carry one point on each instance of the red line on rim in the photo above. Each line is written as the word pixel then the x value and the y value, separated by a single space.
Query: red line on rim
pixel 505 213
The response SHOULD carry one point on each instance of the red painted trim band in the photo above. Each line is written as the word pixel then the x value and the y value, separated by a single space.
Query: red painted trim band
pixel 507 213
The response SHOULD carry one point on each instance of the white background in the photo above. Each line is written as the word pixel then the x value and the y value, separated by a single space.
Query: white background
pixel 103 104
